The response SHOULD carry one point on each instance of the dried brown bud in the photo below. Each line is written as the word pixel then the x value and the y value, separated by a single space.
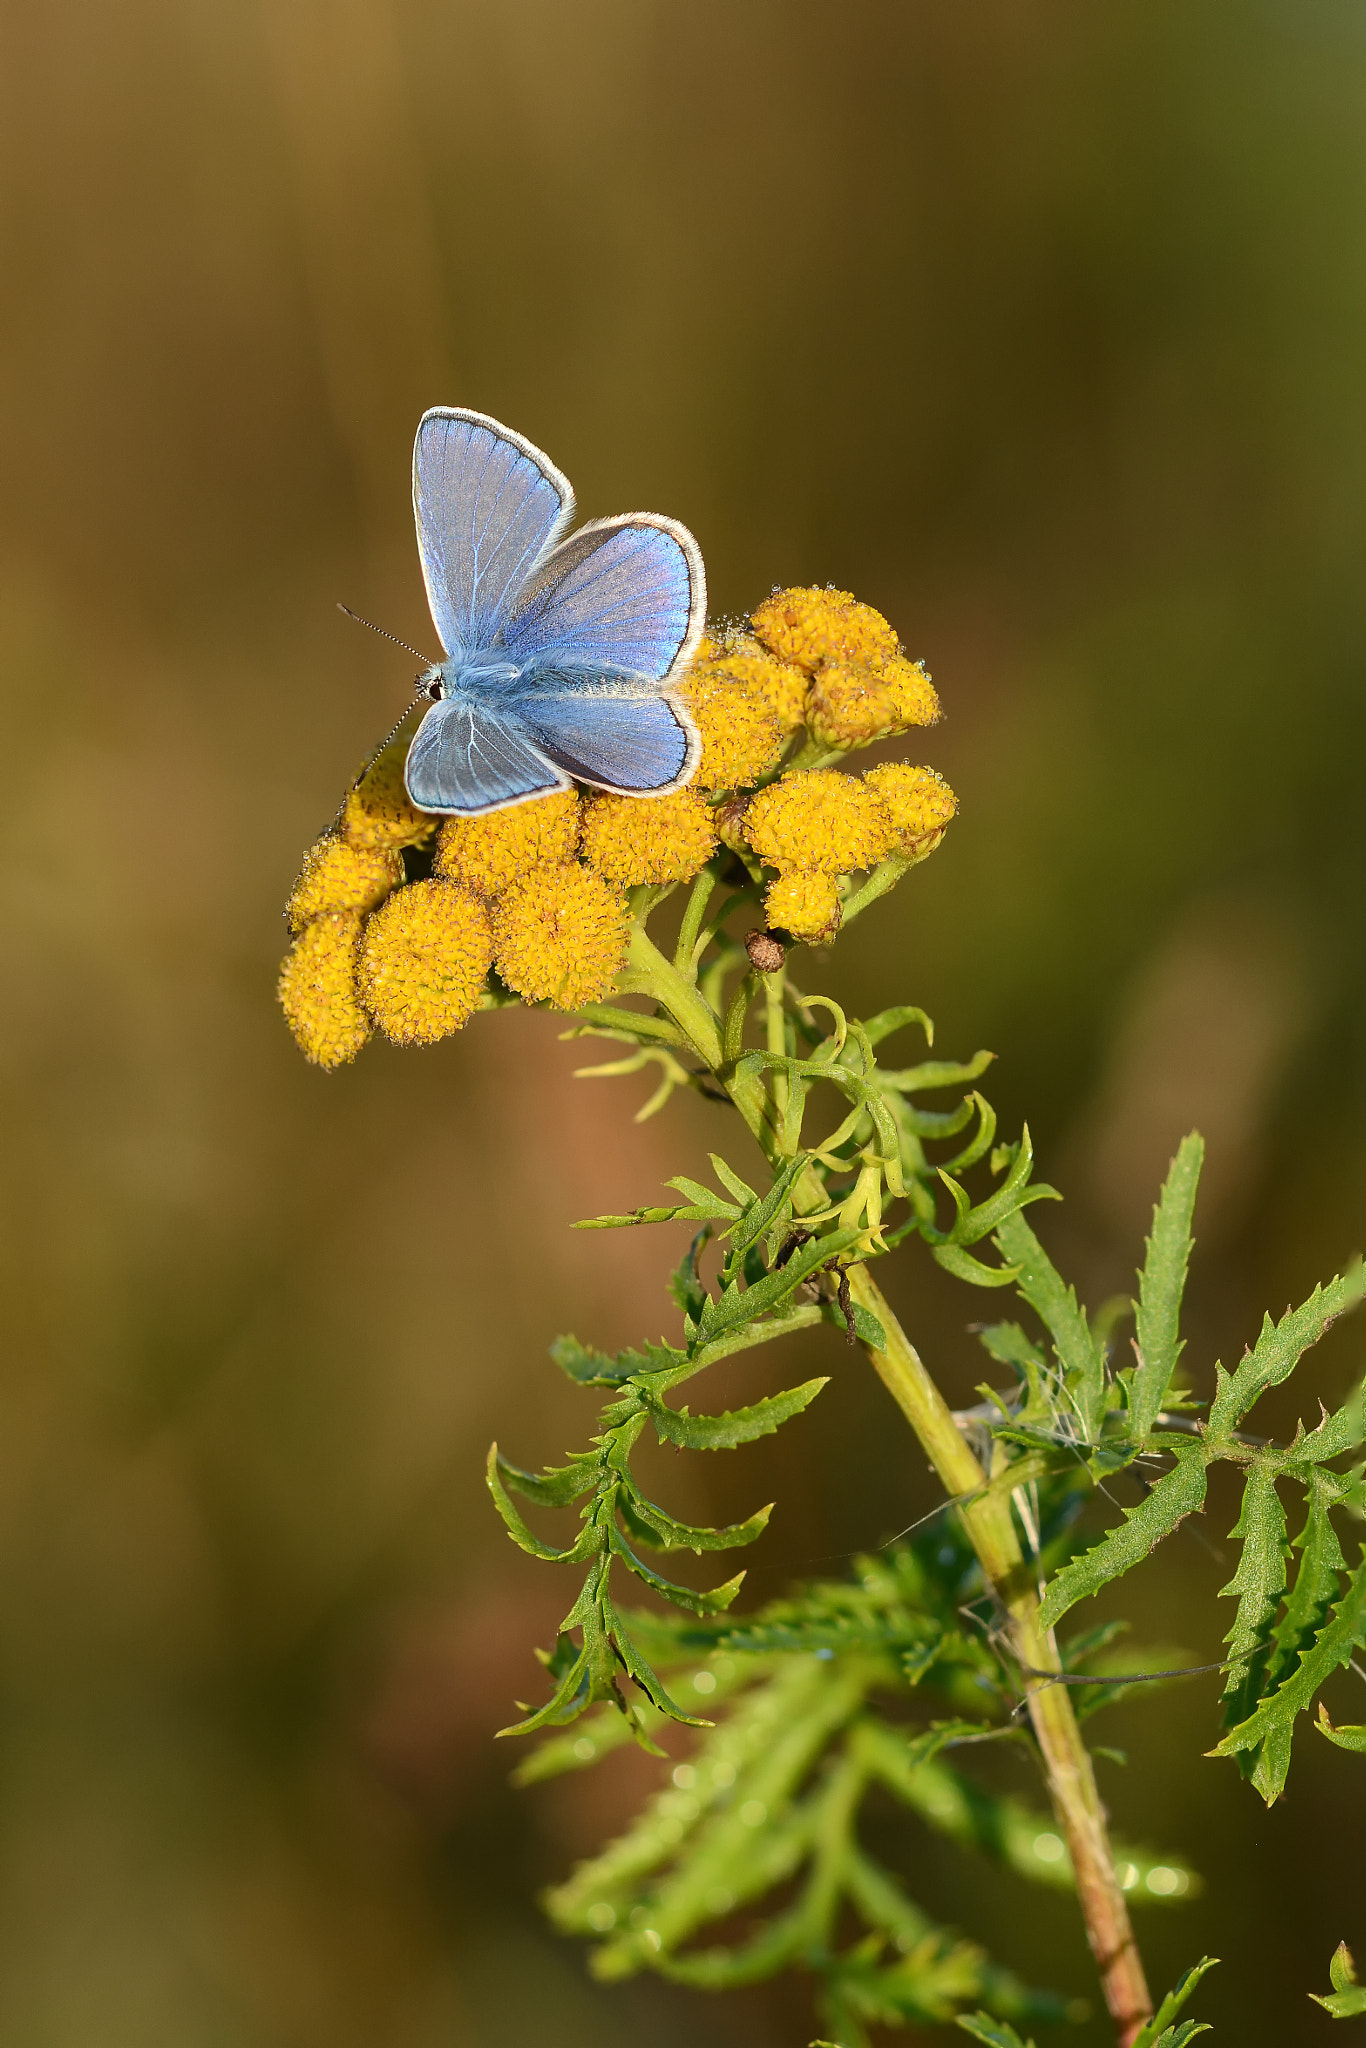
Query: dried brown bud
pixel 766 954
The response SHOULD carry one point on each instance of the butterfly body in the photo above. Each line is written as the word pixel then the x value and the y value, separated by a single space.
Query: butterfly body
pixel 559 653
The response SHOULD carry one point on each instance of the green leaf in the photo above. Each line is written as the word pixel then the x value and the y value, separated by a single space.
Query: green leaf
pixel 1008 1345
pixel 1081 1358
pixel 932 1074
pixel 740 1190
pixel 736 1426
pixel 1258 1584
pixel 518 1530
pixel 553 1488
pixel 995 2033
pixel 964 1266
pixel 1338 1433
pixel 589 1368
pixel 887 1021
pixel 1316 1587
pixel 1332 1648
pixel 667 1534
pixel 704 1204
pixel 1014 1193
pixel 1161 1285
pixel 867 1329
pixel 1348 1999
pixel 714 1602
pixel 739 1305
pixel 1346 1737
pixel 1159 2033
pixel 1279 1350
pixel 762 1214
pixel 1179 1493
pixel 684 1284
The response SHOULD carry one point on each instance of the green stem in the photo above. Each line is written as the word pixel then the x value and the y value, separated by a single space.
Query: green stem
pixel 686 954
pixel 986 1517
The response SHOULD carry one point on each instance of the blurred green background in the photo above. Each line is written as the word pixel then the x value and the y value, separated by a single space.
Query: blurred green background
pixel 1041 327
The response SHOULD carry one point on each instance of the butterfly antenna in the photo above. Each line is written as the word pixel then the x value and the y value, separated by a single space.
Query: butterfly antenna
pixel 393 733
pixel 385 636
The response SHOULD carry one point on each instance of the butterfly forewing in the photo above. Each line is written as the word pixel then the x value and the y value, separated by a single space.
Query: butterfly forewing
pixel 488 504
pixel 629 593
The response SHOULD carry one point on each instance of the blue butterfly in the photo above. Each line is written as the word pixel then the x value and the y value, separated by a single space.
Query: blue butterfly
pixel 559 653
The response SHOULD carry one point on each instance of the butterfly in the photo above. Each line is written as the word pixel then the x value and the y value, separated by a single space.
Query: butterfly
pixel 560 654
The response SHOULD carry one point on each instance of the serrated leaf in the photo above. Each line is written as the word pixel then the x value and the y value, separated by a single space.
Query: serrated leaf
pixel 1338 1433
pixel 1179 1493
pixel 1158 2032
pixel 738 1305
pixel 1257 1585
pixel 740 1190
pixel 736 1426
pixel 703 1205
pixel 762 1215
pixel 1316 1587
pixel 667 1534
pixel 556 1487
pixel 684 1284
pixel 1331 1649
pixel 1161 1286
pixel 1345 1736
pixel 1081 1358
pixel 1348 1998
pixel 714 1602
pixel 518 1530
pixel 1279 1349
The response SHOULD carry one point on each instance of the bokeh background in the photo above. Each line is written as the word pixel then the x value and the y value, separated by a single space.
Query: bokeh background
pixel 1040 326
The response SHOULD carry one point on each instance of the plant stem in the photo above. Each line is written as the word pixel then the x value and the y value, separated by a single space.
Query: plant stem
pixel 1066 1760
pixel 987 1518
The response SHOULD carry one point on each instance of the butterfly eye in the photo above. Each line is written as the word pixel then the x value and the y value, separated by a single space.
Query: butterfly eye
pixel 431 690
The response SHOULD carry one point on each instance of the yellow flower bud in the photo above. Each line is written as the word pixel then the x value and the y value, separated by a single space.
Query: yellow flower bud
pixel 378 812
pixel 648 839
pixel 812 626
pixel 318 989
pixel 741 736
pixel 805 904
pixel 919 803
pixel 741 659
pixel 560 936
pixel 337 876
pixel 818 820
pixel 423 961
pixel 852 703
pixel 489 852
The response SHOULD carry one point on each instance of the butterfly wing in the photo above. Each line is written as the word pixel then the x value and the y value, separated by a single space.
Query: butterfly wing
pixel 628 594
pixel 605 729
pixel 488 505
pixel 467 759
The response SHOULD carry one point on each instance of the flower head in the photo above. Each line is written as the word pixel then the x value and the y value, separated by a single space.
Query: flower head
pixel 852 703
pixel 648 839
pixel 318 989
pixel 339 876
pixel 489 852
pixel 812 626
pixel 740 732
pixel 818 820
pixel 423 961
pixel 377 811
pixel 560 935
pixel 739 658
pixel 919 803
pixel 803 903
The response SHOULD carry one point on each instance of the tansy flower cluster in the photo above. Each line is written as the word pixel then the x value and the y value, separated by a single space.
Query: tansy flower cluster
pixel 400 918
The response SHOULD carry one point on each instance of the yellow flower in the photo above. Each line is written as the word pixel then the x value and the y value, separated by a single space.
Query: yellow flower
pixel 812 626
pixel 803 903
pixel 489 852
pixel 818 820
pixel 560 936
pixel 378 812
pixel 336 876
pixel 648 839
pixel 919 803
pixel 741 659
pixel 741 735
pixel 852 703
pixel 423 961
pixel 318 989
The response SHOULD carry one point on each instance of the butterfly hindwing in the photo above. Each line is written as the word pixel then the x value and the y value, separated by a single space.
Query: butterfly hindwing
pixel 609 731
pixel 488 504
pixel 469 758
pixel 628 593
